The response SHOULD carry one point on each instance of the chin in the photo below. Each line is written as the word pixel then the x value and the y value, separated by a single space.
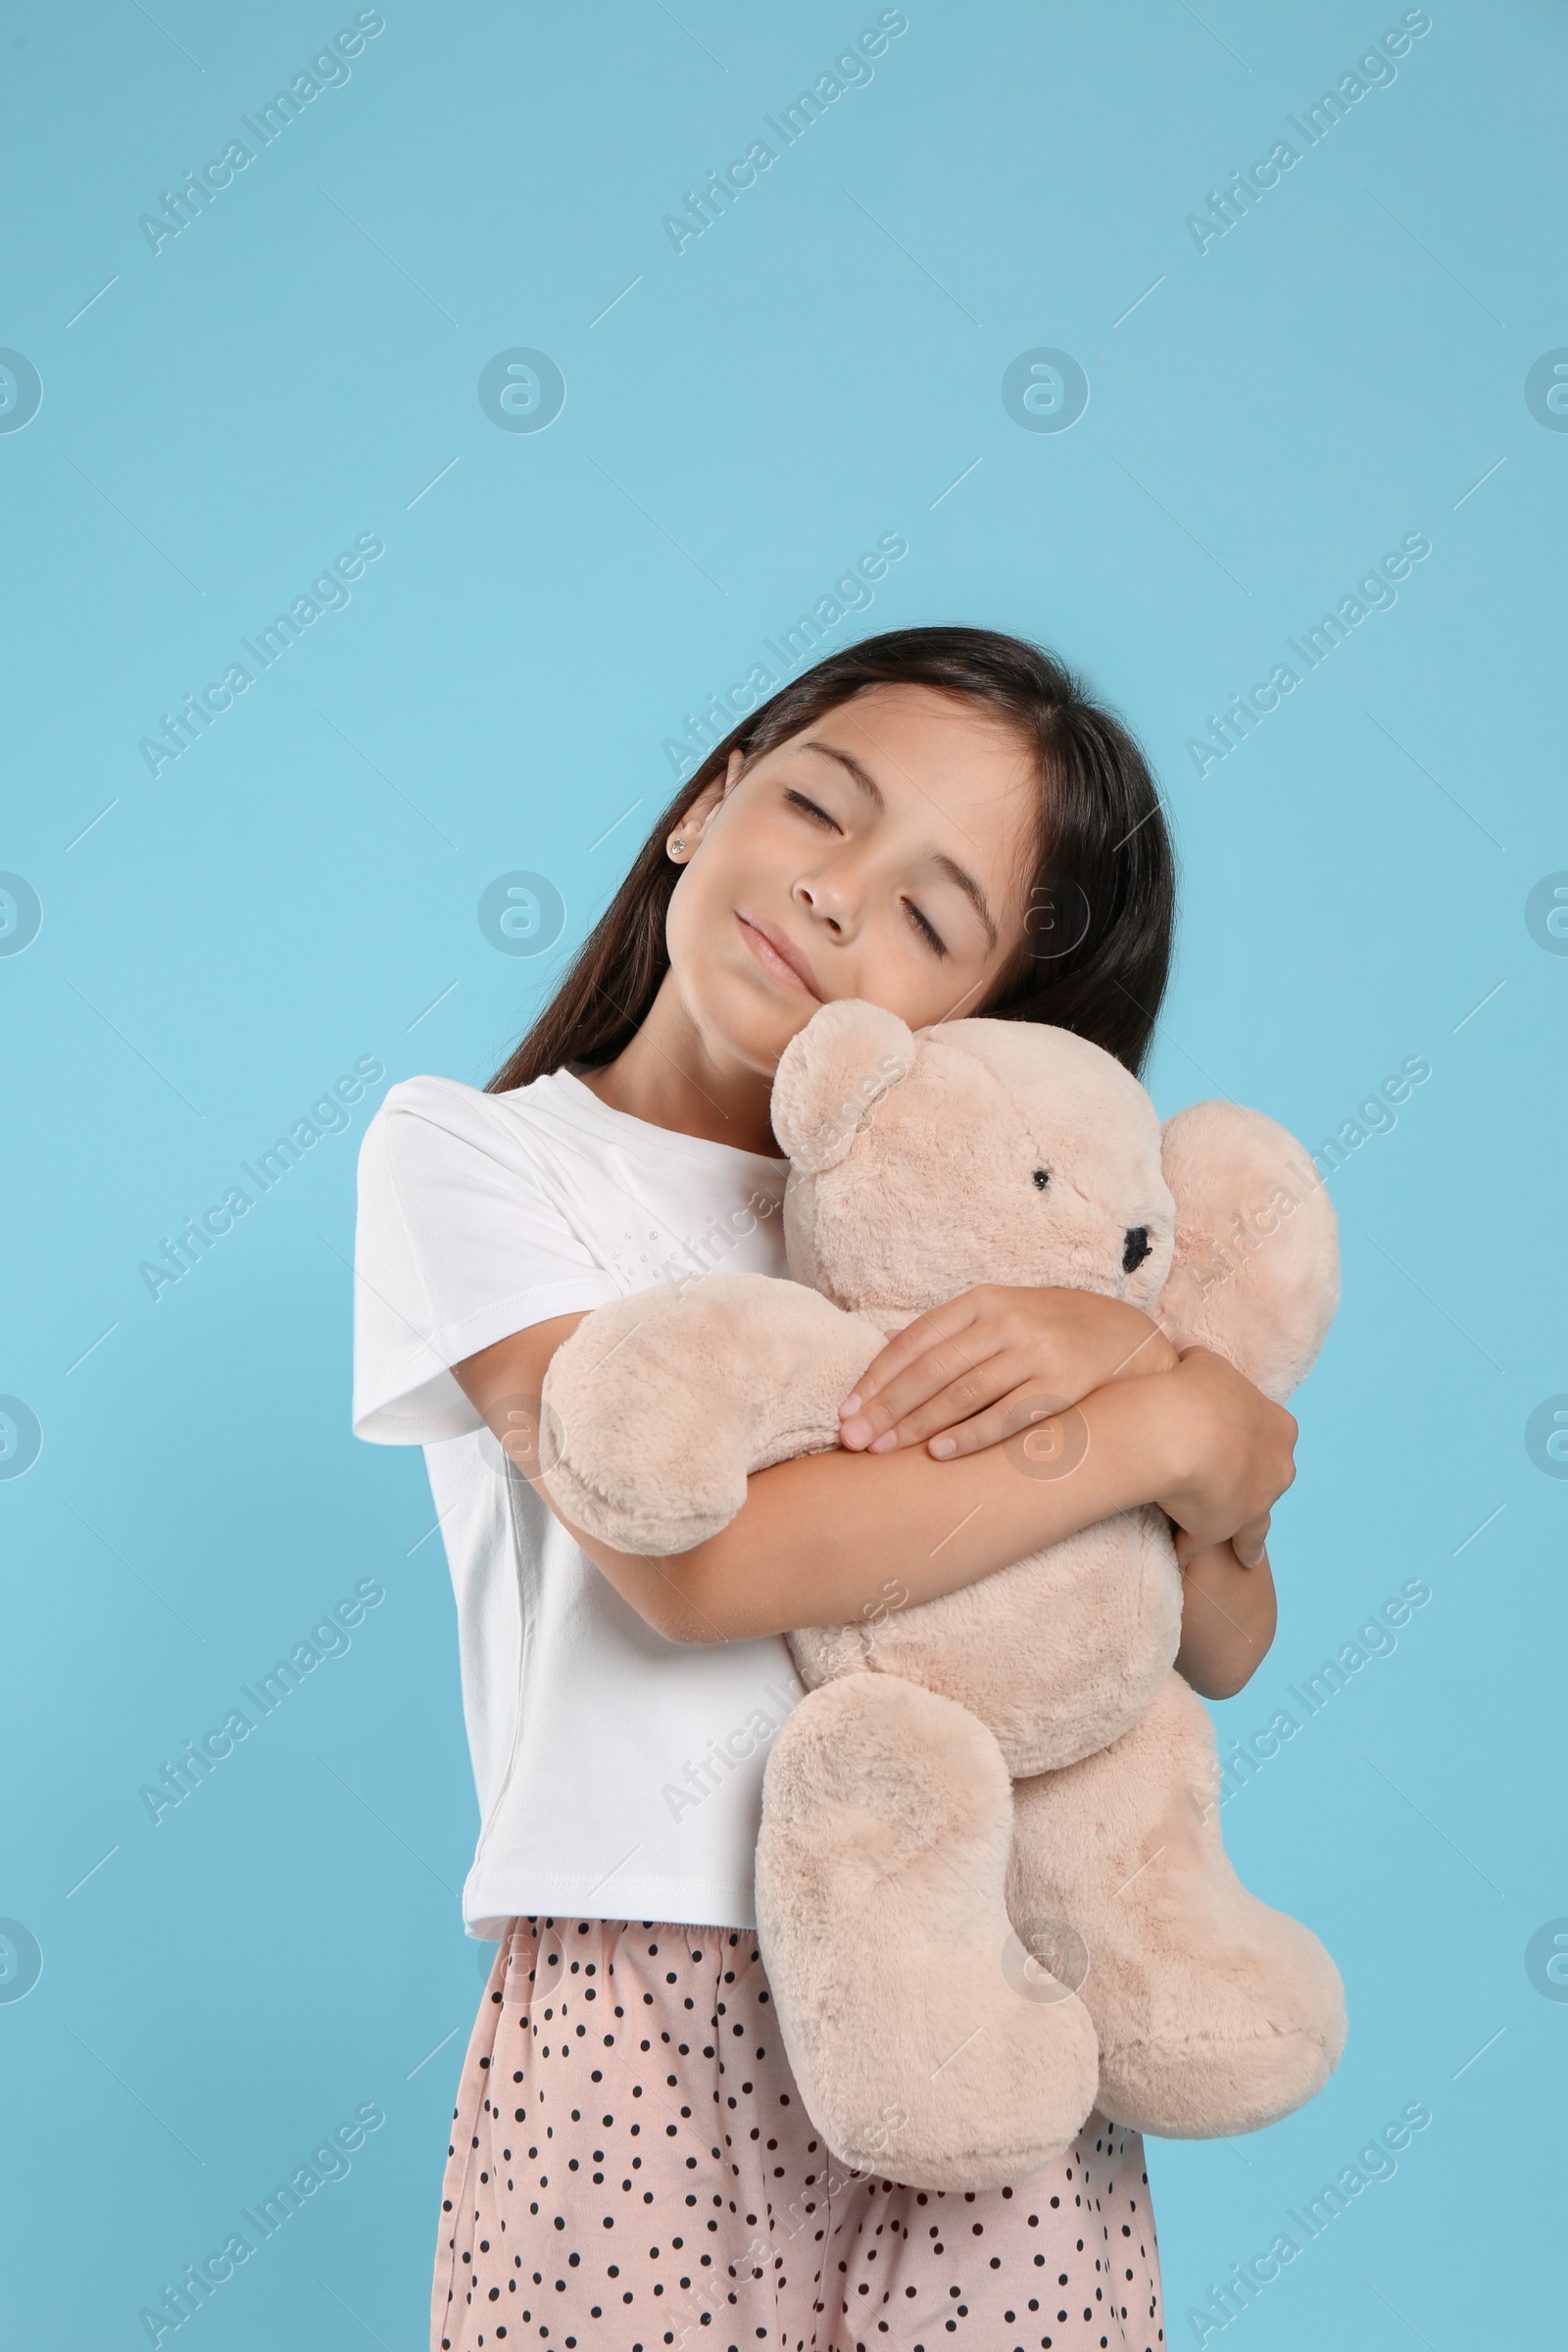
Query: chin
pixel 741 1018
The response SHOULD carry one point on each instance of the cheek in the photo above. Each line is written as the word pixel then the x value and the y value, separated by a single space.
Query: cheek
pixel 952 987
pixel 706 953
pixel 711 882
pixel 727 1000
pixel 748 852
pixel 892 966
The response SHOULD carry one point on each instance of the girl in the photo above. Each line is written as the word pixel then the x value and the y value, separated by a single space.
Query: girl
pixel 939 821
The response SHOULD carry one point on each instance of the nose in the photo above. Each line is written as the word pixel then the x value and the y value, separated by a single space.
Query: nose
pixel 825 900
pixel 1136 1248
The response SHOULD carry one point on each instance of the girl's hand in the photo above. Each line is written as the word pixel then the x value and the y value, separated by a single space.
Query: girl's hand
pixel 975 1371
pixel 1233 1454
pixel 1249 1543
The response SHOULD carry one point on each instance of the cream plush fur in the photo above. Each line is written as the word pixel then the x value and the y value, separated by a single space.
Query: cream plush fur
pixel 992 1893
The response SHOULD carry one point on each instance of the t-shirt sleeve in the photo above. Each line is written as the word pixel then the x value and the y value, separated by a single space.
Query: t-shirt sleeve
pixel 457 1244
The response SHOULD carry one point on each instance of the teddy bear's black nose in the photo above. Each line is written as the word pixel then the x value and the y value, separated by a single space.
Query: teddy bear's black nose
pixel 1137 1249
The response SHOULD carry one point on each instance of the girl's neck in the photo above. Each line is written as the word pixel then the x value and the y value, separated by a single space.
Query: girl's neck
pixel 666 1077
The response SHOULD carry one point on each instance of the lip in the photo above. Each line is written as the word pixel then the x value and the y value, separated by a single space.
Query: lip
pixel 778 954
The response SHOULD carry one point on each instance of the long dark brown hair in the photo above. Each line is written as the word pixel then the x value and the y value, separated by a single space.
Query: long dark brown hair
pixel 1097 949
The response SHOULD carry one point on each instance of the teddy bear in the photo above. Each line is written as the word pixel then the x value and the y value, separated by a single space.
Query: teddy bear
pixel 992 1895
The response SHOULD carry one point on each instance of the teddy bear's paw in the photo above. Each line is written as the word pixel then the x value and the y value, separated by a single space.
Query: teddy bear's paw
pixel 1260 2029
pixel 645 1429
pixel 660 1406
pixel 930 2049
pixel 1215 2014
pixel 634 1446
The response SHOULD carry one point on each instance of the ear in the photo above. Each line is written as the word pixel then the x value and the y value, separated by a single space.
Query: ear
pixel 1256 1273
pixel 828 1077
pixel 695 819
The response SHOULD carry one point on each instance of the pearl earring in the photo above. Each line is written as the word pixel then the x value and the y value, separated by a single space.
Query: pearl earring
pixel 677 844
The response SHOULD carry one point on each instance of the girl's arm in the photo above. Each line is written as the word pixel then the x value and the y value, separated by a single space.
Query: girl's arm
pixel 1227 1618
pixel 818 1540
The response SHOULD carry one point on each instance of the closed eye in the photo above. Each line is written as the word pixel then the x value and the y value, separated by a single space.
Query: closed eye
pixel 932 937
pixel 798 800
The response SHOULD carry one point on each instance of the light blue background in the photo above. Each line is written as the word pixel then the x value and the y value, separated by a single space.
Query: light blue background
pixel 300 889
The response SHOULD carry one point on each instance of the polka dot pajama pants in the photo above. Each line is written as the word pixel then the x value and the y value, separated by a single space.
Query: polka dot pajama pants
pixel 631 2169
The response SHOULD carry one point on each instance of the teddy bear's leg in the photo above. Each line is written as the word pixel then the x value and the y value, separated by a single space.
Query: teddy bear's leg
pixel 1214 2013
pixel 928 2048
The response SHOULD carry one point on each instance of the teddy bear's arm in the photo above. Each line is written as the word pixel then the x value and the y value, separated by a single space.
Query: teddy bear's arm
pixel 1255 1274
pixel 660 1407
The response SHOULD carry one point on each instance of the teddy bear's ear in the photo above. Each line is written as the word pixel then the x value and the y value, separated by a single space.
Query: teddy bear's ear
pixel 828 1077
pixel 1256 1273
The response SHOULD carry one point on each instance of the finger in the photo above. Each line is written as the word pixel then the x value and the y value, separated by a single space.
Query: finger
pixel 1193 1553
pixel 1249 1542
pixel 940 1368
pixel 1185 1344
pixel 1023 1407
pixel 906 1347
pixel 935 1403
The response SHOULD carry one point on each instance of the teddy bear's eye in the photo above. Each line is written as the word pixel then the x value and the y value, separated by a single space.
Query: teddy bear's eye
pixel 1137 1249
pixel 1042 1179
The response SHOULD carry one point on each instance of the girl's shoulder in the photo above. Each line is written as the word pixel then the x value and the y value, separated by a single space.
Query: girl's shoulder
pixel 551 1143
pixel 553 1131
pixel 473 1113
pixel 432 1092
pixel 435 1138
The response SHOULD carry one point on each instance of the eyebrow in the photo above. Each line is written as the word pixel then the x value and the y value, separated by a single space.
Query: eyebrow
pixel 866 783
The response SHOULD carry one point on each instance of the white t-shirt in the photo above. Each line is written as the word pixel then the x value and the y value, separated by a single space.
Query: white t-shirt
pixel 618 1775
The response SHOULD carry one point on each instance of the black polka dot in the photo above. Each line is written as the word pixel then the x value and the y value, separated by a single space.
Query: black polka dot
pixel 793 2246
